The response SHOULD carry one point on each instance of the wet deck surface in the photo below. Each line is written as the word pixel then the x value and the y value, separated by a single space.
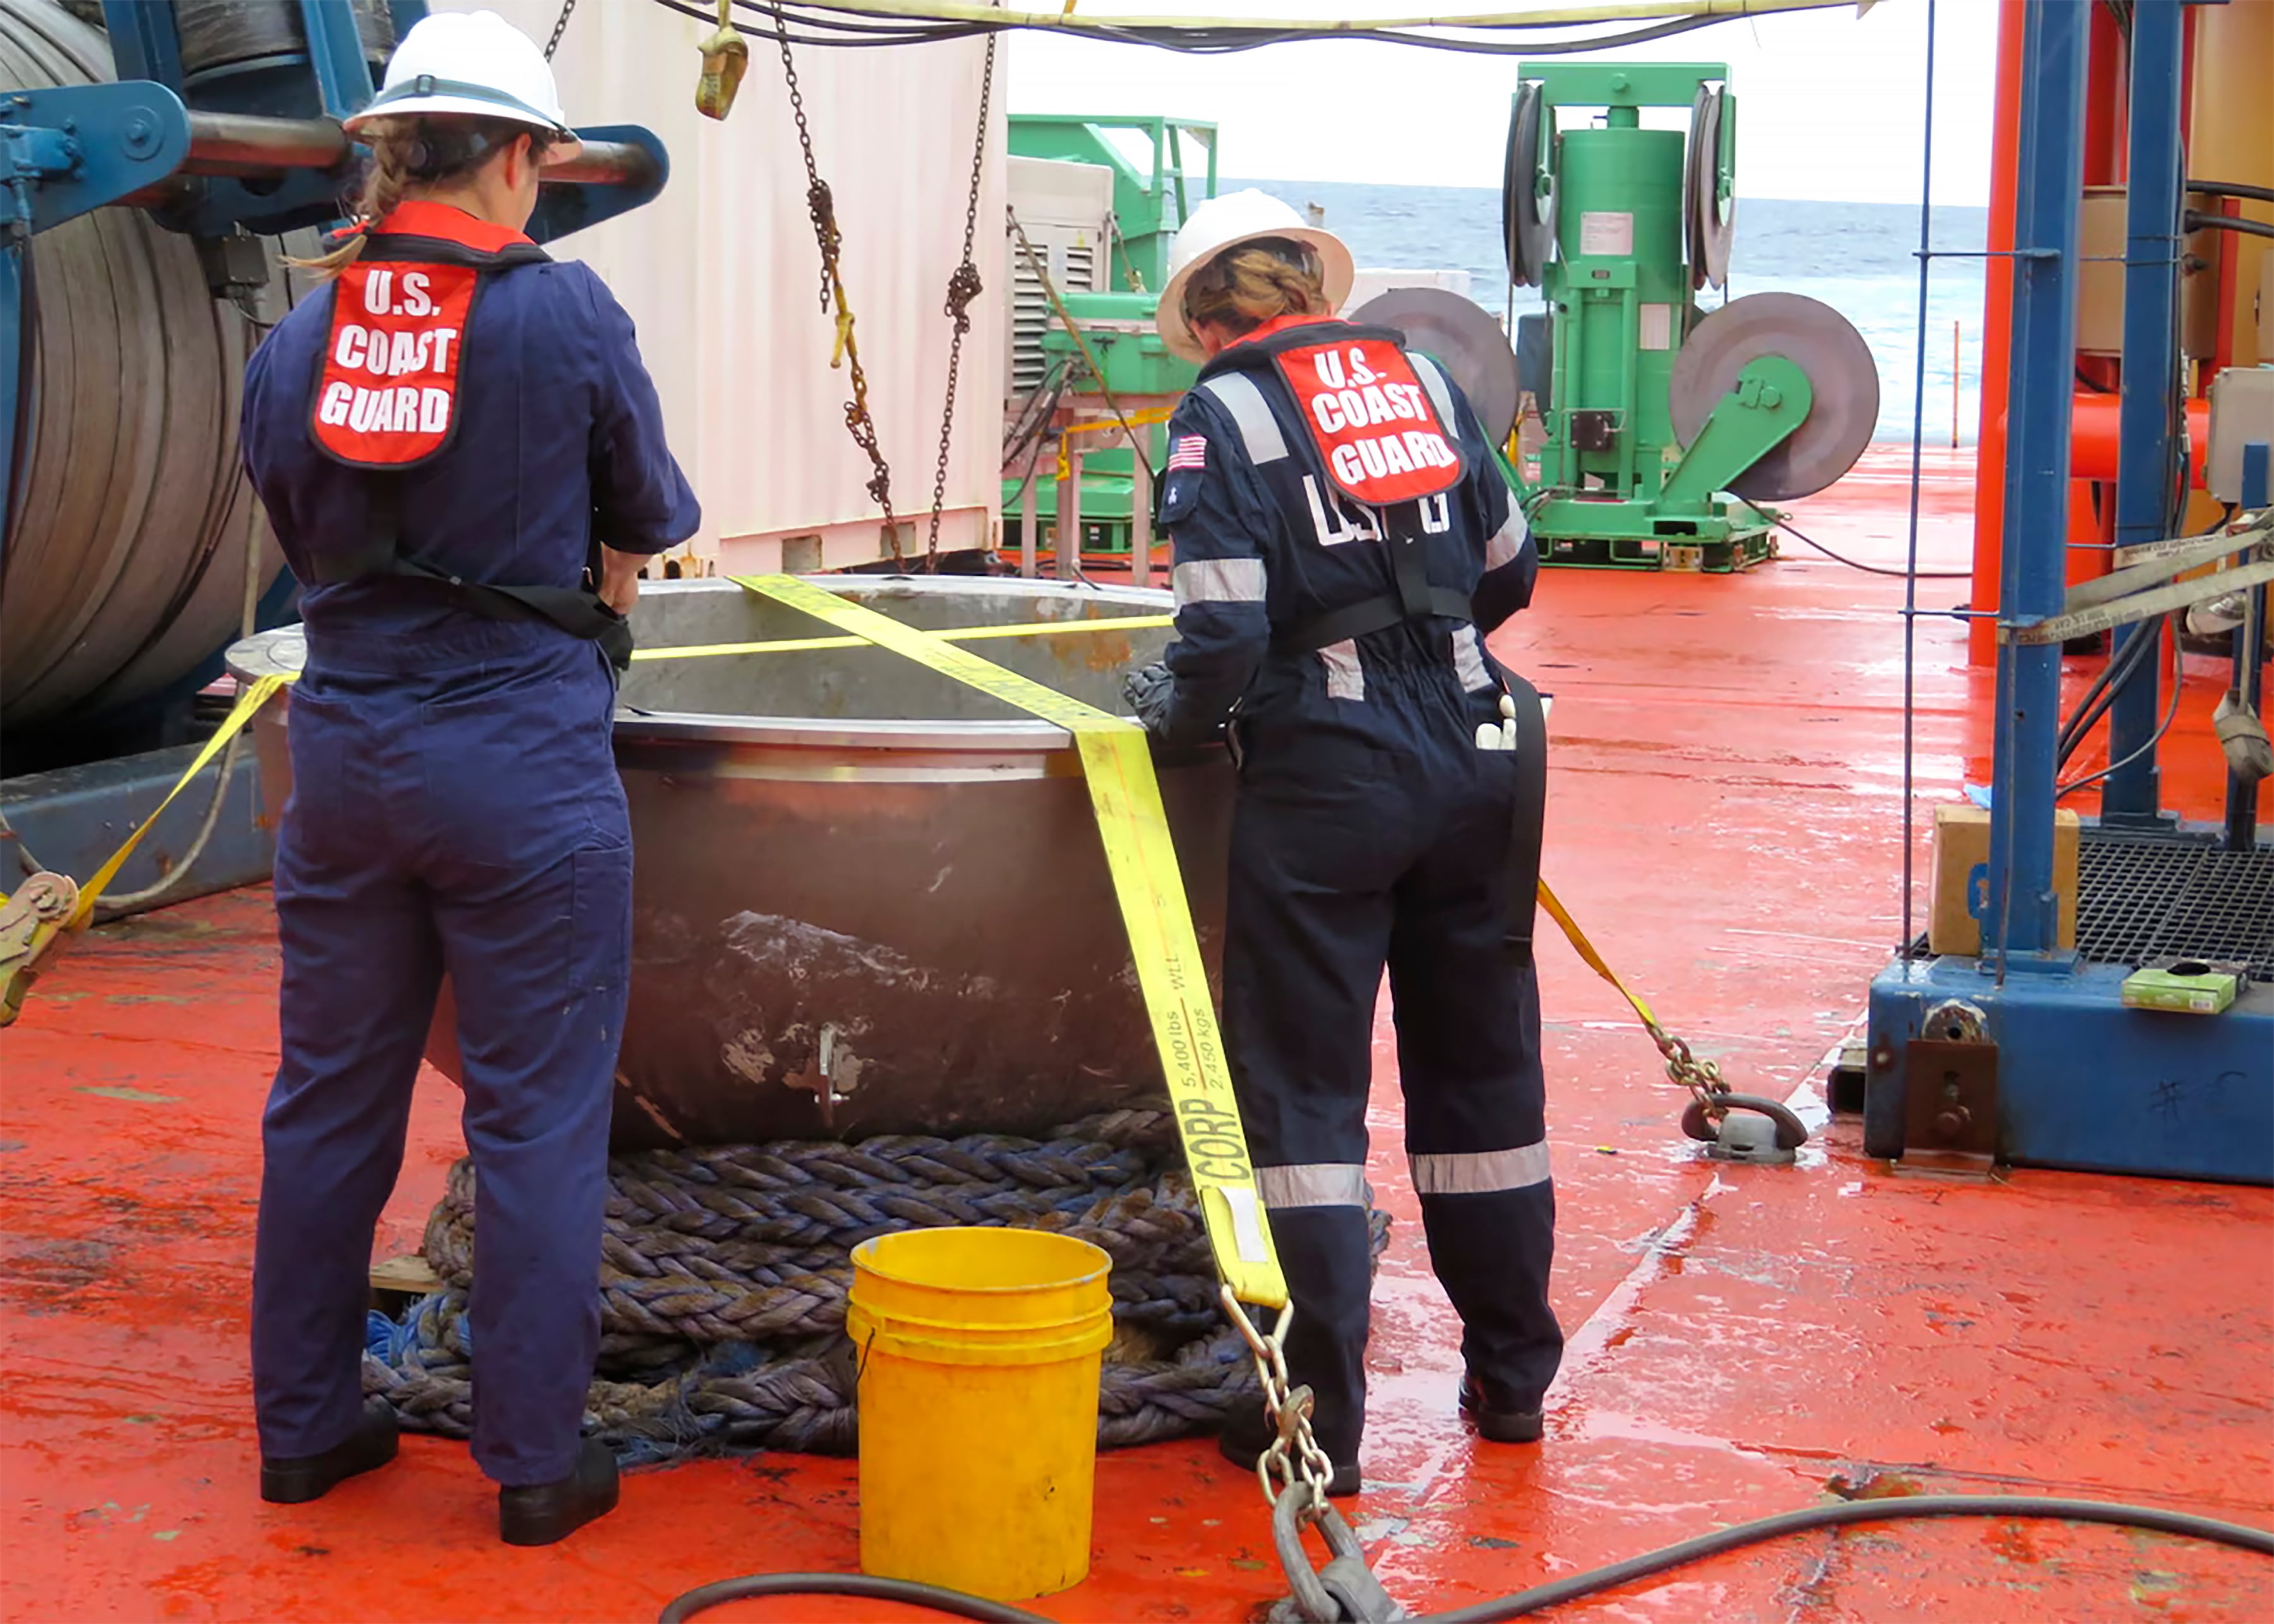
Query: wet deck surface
pixel 1725 818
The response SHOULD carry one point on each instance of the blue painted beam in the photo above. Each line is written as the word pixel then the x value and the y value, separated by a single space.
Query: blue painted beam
pixel 2084 1082
pixel 73 818
pixel 2023 918
pixel 336 54
pixel 2146 466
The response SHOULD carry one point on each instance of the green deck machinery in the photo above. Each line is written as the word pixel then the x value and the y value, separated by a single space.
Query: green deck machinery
pixel 1153 193
pixel 1667 430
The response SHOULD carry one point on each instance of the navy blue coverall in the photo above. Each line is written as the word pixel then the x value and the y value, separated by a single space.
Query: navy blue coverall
pixel 455 808
pixel 1370 829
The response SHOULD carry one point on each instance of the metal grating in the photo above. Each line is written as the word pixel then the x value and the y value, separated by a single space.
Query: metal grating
pixel 2151 898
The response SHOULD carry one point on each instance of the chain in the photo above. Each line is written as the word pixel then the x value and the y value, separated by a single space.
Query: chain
pixel 821 208
pixel 1294 1455
pixel 1702 1078
pixel 559 28
pixel 963 287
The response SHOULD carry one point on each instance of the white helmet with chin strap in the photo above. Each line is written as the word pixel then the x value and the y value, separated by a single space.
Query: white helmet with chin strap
pixel 1223 223
pixel 471 65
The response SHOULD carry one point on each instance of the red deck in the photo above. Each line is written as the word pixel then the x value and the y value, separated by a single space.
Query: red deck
pixel 1726 820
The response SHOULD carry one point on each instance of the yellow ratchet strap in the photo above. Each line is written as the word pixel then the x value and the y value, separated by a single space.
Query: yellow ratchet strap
pixel 1117 762
pixel 1595 960
pixel 248 704
pixel 961 634
pixel 249 701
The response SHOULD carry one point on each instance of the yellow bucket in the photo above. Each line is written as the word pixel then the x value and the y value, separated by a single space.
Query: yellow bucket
pixel 979 1354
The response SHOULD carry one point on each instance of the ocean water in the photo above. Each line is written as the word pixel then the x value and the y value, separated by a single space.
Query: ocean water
pixel 1858 258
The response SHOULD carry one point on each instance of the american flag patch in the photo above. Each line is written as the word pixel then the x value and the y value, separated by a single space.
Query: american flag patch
pixel 1190 451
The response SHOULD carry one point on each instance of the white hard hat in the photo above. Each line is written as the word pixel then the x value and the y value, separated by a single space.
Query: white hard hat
pixel 1225 222
pixel 475 65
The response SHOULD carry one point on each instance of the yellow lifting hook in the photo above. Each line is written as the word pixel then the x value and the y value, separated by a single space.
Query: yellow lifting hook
pixel 726 58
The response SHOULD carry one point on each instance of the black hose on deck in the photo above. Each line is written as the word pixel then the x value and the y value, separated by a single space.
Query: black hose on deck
pixel 2178 1524
pixel 2033 1506
pixel 955 1604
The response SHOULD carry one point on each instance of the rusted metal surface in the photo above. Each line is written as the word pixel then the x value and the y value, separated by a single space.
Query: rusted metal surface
pixel 870 899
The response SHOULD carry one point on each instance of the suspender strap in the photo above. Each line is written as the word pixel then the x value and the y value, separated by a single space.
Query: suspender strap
pixel 575 611
pixel 1374 615
pixel 1409 560
pixel 1529 820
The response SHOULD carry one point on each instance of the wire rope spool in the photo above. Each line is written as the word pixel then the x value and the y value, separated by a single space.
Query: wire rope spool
pixel 1464 338
pixel 1816 339
pixel 1709 203
pixel 127 547
pixel 222 39
pixel 1528 187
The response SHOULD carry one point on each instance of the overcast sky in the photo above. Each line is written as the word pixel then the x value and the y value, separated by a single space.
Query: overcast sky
pixel 1830 105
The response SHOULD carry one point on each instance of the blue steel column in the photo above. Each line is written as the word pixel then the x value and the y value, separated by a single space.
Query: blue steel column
pixel 2051 182
pixel 2144 468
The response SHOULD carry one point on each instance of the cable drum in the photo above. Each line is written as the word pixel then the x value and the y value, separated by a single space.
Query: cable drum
pixel 127 553
pixel 1528 187
pixel 221 34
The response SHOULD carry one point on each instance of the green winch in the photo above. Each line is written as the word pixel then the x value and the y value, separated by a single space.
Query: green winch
pixel 1664 431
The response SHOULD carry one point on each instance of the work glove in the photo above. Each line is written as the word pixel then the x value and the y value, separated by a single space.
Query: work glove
pixel 1148 689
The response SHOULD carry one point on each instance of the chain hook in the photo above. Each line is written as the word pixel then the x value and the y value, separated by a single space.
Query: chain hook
pixel 1344 1591
pixel 1294 1456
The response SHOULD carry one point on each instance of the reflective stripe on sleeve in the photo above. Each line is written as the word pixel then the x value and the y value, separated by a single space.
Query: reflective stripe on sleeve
pixel 1259 430
pixel 1434 380
pixel 1219 581
pixel 1509 542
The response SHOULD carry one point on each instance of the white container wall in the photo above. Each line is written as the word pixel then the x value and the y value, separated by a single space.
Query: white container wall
pixel 722 276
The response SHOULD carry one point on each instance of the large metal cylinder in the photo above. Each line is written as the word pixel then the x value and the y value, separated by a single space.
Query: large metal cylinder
pixel 224 38
pixel 127 561
pixel 868 899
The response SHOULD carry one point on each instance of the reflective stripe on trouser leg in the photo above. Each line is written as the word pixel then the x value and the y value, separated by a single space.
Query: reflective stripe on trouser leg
pixel 1492 1252
pixel 1479 1172
pixel 1321 1228
pixel 1308 922
pixel 1468 1053
pixel 1326 1252
pixel 1316 1183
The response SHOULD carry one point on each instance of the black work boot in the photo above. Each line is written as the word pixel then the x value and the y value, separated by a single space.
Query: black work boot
pixel 296 1480
pixel 1243 1445
pixel 1497 1415
pixel 545 1514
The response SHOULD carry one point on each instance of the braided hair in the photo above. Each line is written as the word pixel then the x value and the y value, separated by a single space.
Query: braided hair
pixel 1254 282
pixel 412 153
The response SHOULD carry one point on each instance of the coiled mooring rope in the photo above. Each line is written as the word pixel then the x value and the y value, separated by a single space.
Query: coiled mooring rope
pixel 725 1271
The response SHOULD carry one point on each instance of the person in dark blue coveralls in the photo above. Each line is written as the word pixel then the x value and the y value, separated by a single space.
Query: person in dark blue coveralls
pixel 1344 539
pixel 464 459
